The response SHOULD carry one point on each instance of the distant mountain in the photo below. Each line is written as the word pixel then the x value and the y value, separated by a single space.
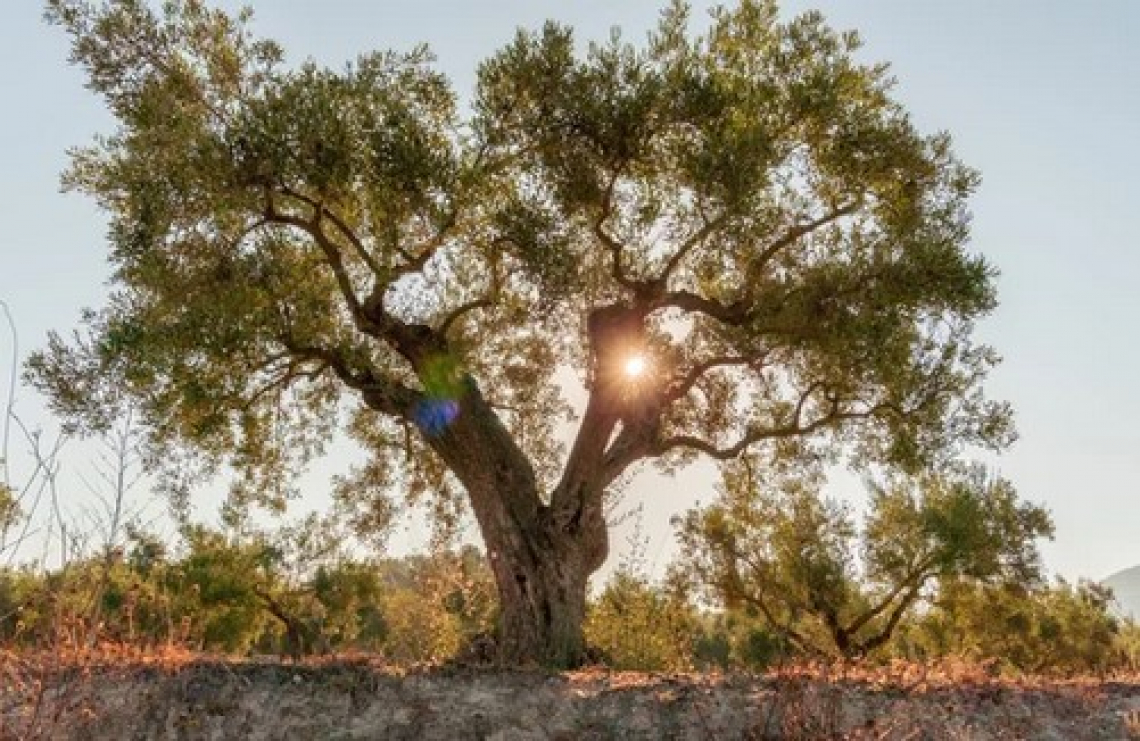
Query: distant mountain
pixel 1126 586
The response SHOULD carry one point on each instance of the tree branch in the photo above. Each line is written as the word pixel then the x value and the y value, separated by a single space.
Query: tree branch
pixel 884 635
pixel 383 394
pixel 755 598
pixel 416 261
pixel 342 227
pixel 313 228
pixel 637 438
pixel 290 373
pixel 412 341
pixel 634 442
pixel 460 311
pixel 914 582
pixel 250 229
pixel 689 245
pixel 793 428
pixel 615 247
pixel 734 314
pixel 683 385
pixel 802 230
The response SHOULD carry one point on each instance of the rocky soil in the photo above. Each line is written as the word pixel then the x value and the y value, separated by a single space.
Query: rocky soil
pixel 356 700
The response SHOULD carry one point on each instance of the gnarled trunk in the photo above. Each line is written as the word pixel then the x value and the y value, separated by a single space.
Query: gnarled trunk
pixel 541 555
pixel 542 599
pixel 541 552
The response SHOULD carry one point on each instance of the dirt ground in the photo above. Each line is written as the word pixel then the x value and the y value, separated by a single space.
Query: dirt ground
pixel 217 699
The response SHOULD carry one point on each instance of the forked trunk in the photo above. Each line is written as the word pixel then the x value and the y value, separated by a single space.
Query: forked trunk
pixel 541 558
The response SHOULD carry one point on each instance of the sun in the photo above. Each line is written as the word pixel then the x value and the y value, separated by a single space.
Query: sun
pixel 635 366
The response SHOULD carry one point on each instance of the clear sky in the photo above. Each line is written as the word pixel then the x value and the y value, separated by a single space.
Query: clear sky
pixel 1042 96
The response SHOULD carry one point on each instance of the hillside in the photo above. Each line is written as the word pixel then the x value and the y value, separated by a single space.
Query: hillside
pixel 1126 585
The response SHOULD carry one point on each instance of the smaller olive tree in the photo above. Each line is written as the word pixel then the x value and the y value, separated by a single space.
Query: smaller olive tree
pixel 801 562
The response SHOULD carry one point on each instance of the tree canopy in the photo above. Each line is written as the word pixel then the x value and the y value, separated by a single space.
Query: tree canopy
pixel 299 250
pixel 803 565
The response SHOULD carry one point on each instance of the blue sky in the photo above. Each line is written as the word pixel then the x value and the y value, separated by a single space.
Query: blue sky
pixel 1042 96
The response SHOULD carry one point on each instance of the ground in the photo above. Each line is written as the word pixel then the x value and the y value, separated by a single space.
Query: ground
pixel 201 698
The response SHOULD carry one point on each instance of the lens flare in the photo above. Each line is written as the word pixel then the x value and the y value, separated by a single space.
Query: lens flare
pixel 635 366
pixel 433 416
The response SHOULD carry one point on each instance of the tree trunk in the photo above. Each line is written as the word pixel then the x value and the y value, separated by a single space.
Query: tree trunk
pixel 542 600
pixel 541 557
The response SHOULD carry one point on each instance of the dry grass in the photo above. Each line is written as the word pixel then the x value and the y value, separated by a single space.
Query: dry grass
pixel 49 692
pixel 43 689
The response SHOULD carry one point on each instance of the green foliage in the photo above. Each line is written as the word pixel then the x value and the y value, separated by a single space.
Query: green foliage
pixel 638 626
pixel 218 582
pixel 9 511
pixel 242 594
pixel 349 595
pixel 432 607
pixel 232 594
pixel 735 639
pixel 283 234
pixel 794 557
pixel 18 588
pixel 1128 647
pixel 1058 628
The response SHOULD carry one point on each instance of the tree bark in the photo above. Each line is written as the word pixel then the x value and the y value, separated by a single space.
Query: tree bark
pixel 541 562
pixel 541 551
pixel 542 598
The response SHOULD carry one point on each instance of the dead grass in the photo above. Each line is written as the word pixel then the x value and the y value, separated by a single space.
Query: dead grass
pixel 54 691
pixel 43 689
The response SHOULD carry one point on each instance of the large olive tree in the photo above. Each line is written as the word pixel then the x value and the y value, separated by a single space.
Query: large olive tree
pixel 299 249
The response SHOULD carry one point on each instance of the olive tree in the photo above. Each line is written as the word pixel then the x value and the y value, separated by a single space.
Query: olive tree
pixel 736 237
pixel 800 561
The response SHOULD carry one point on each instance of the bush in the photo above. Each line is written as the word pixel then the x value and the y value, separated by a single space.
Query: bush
pixel 638 626
pixel 1061 629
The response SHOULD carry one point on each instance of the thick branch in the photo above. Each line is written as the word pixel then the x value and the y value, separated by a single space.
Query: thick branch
pixel 413 341
pixel 884 635
pixel 384 395
pixel 486 459
pixel 627 448
pixel 912 584
pixel 582 475
pixel 638 436
pixel 637 439
pixel 298 636
pixel 734 314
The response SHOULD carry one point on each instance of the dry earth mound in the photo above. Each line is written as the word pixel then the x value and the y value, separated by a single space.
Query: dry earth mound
pixel 263 701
